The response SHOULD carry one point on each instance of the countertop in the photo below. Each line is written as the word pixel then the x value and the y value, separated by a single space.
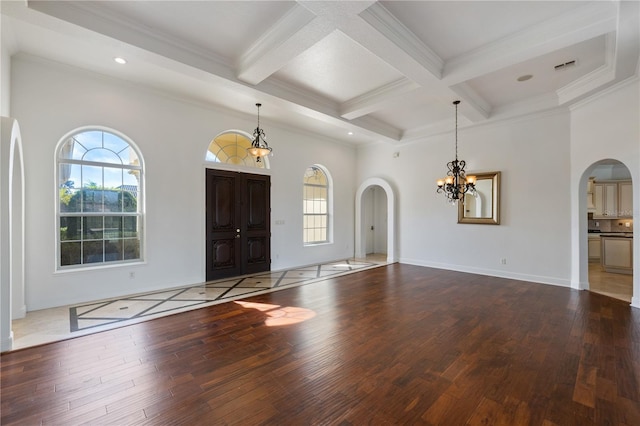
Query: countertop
pixel 616 234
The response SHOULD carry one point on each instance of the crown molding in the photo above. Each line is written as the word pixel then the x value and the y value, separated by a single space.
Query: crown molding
pixel 97 18
pixel 605 92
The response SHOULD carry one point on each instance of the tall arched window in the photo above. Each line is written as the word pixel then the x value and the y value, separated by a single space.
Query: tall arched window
pixel 316 205
pixel 99 190
pixel 231 148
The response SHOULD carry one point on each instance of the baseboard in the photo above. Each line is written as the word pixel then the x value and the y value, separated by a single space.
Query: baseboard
pixel 540 279
pixel 7 343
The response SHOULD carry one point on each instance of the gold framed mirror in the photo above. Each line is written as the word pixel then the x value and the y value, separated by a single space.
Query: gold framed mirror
pixel 484 206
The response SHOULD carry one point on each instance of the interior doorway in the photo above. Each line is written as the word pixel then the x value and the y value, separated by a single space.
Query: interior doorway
pixel 375 220
pixel 374 201
pixel 238 224
pixel 12 230
pixel 609 214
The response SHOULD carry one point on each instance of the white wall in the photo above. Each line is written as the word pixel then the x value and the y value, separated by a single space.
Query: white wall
pixel 534 235
pixel 606 126
pixel 6 42
pixel 50 100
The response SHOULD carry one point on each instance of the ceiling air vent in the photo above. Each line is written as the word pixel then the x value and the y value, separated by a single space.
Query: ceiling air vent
pixel 565 65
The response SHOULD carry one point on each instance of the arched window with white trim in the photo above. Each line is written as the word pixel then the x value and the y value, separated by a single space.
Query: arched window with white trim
pixel 99 190
pixel 316 205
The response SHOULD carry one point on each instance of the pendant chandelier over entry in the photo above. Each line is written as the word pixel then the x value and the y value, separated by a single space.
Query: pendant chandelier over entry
pixel 259 146
pixel 456 183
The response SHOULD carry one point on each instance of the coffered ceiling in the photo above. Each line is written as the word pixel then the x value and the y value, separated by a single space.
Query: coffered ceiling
pixel 382 70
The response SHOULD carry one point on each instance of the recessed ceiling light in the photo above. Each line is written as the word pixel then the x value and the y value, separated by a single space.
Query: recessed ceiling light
pixel 350 133
pixel 525 77
pixel 120 60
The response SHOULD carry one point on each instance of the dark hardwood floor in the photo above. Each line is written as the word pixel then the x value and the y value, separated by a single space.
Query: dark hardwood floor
pixel 397 344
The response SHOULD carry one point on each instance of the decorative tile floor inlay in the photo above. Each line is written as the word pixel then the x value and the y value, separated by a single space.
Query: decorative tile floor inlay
pixel 102 313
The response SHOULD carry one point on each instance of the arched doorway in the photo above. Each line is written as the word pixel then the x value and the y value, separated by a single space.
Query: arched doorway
pixel 606 249
pixel 373 195
pixel 12 289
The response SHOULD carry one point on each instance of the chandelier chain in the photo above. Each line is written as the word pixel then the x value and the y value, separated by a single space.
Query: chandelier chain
pixel 456 104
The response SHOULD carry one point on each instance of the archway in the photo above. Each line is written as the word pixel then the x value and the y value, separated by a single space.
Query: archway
pixel 12 291
pixel 606 199
pixel 361 223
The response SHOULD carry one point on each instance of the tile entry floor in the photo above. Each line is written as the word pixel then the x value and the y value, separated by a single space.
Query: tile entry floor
pixel 49 325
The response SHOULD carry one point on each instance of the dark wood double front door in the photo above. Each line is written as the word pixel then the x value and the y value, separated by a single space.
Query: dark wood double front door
pixel 238 223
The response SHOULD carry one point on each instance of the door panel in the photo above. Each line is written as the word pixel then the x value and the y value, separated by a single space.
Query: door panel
pixel 224 254
pixel 257 223
pixel 237 224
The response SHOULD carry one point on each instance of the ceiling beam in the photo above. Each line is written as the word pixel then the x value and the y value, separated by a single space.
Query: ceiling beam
pixel 375 99
pixel 291 35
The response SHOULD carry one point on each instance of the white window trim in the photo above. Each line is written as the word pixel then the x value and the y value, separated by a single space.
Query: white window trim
pixel 57 268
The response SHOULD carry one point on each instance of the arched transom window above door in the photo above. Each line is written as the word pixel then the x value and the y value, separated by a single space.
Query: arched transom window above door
pixel 231 148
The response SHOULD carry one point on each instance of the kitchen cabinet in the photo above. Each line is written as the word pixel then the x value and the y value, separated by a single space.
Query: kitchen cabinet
pixel 594 248
pixel 612 199
pixel 617 254
pixel 606 200
pixel 625 199
pixel 591 205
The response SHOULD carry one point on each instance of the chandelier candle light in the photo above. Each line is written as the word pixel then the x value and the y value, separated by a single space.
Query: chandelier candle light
pixel 259 146
pixel 456 183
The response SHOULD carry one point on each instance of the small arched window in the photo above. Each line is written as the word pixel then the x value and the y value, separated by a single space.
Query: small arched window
pixel 316 205
pixel 99 192
pixel 231 148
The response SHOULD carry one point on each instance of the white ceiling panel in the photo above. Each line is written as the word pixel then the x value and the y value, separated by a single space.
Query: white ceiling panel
pixel 452 28
pixel 334 68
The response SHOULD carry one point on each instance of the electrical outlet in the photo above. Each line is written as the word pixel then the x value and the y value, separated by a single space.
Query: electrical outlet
pixel 503 261
pixel 627 224
pixel 132 275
